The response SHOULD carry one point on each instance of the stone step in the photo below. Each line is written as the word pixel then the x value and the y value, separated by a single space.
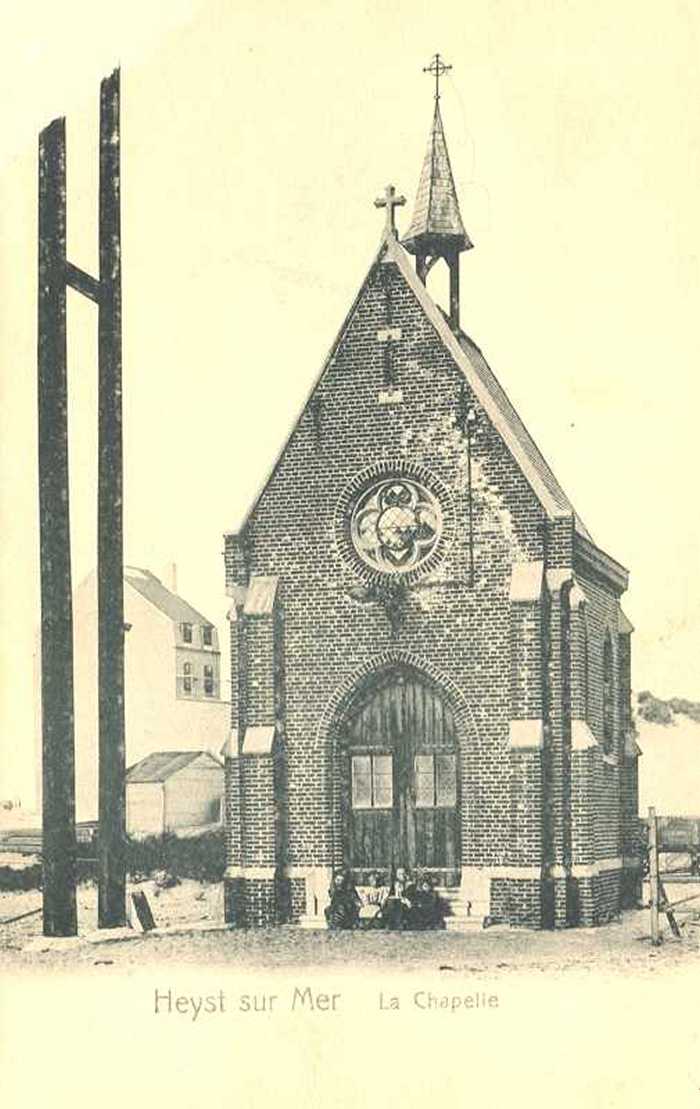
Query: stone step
pixel 463 923
pixel 464 914
pixel 317 922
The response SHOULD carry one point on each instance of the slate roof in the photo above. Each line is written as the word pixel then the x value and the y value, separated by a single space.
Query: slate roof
pixel 161 765
pixel 520 432
pixel 491 396
pixel 152 588
pixel 436 214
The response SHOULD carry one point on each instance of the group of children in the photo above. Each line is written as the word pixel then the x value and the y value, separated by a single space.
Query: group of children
pixel 401 904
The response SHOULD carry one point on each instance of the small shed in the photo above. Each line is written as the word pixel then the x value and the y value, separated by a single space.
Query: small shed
pixel 172 790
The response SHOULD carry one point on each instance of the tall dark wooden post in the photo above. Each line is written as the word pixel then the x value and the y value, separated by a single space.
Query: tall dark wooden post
pixel 110 556
pixel 55 274
pixel 58 747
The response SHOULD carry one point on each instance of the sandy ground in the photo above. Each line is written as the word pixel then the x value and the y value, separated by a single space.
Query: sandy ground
pixel 620 947
pixel 17 819
pixel 191 902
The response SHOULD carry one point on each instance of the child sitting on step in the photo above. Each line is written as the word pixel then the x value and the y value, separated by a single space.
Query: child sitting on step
pixel 372 899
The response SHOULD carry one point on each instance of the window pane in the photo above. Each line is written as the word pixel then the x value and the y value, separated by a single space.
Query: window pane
pixel 361 782
pixel 382 781
pixel 425 787
pixel 446 780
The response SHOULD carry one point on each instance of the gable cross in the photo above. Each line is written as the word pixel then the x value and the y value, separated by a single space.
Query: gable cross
pixel 390 201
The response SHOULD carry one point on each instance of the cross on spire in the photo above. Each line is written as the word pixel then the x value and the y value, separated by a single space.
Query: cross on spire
pixel 390 201
pixel 437 67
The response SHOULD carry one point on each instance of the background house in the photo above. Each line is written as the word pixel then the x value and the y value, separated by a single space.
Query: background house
pixel 172 679
pixel 169 791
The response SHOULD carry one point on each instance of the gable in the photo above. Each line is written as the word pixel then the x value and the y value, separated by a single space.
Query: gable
pixel 462 356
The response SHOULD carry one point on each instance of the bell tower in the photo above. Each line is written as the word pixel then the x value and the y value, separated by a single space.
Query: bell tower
pixel 436 230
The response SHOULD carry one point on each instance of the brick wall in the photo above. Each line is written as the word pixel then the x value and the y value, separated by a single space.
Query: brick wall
pixel 489 663
pixel 602 617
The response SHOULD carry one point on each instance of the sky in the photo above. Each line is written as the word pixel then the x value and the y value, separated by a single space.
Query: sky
pixel 255 139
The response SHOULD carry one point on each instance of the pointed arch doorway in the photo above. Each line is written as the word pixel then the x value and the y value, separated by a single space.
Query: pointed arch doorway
pixel 400 799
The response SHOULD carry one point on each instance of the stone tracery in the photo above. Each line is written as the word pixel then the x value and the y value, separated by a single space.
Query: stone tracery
pixel 396 525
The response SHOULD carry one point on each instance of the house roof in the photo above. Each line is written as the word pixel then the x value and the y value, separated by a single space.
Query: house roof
pixel 436 214
pixel 152 588
pixel 161 765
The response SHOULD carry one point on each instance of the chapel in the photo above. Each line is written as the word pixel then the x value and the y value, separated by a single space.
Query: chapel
pixel 430 665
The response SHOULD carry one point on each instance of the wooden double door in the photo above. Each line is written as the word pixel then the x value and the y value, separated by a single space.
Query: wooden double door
pixel 401 775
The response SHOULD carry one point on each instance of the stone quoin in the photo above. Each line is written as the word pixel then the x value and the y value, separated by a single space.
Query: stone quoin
pixel 430 665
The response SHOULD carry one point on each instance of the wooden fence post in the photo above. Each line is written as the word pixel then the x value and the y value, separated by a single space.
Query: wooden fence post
pixel 654 877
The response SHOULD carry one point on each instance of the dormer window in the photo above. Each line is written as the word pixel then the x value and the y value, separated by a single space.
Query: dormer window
pixel 207 635
pixel 186 630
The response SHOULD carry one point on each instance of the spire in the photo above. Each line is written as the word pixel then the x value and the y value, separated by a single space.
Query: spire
pixel 436 230
pixel 437 222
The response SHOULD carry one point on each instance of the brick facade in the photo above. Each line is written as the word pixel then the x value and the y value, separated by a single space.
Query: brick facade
pixel 516 649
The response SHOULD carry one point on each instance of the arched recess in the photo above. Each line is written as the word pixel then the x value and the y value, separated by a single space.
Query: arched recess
pixel 398 733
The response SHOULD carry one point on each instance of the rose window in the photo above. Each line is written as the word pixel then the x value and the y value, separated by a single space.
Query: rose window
pixel 396 525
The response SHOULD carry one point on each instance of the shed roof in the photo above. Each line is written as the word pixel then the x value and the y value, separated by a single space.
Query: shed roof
pixel 161 765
